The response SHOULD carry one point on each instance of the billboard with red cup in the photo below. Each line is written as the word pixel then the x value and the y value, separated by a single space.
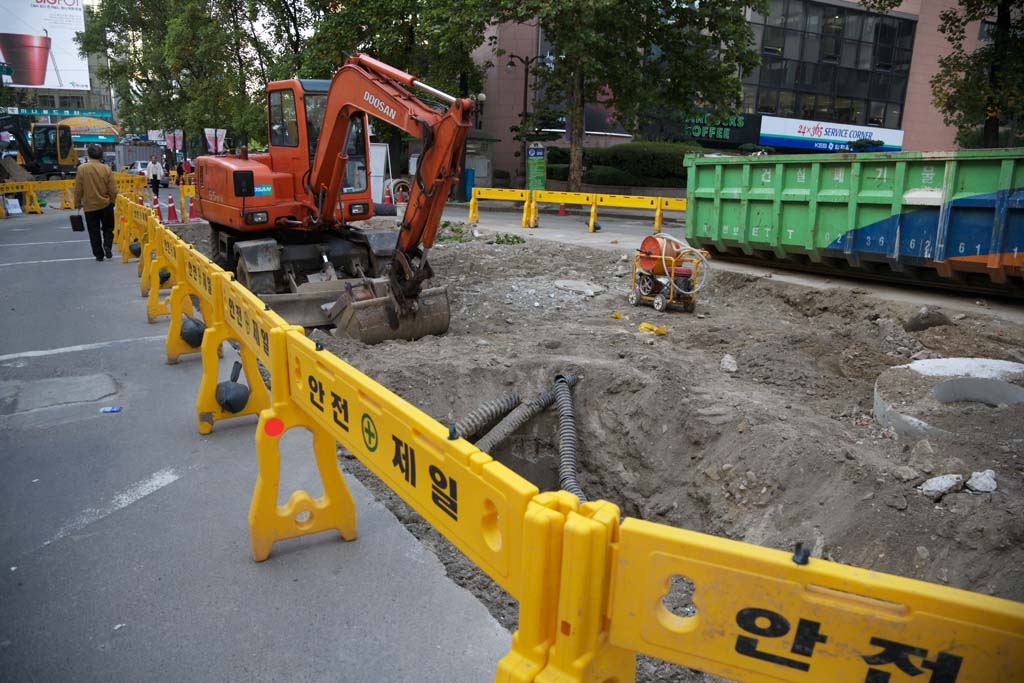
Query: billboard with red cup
pixel 37 42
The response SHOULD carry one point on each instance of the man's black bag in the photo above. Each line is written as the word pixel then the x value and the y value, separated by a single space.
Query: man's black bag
pixel 77 223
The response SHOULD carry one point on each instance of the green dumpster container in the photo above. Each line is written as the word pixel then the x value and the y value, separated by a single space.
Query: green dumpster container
pixel 922 215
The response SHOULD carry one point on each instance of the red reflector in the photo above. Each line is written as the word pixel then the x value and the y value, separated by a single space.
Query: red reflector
pixel 273 427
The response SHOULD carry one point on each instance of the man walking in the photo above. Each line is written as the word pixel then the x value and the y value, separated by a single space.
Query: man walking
pixel 153 172
pixel 95 192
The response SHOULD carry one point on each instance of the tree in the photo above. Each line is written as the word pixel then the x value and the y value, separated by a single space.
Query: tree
pixel 184 64
pixel 634 56
pixel 983 88
pixel 432 39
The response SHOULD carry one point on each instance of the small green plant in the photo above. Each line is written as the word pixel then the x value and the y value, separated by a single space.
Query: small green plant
pixel 506 238
pixel 453 233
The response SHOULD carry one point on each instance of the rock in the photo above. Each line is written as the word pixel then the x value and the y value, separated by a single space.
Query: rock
pixel 937 487
pixel 982 482
pixel 925 318
pixel 896 501
pixel 621 271
pixel 959 316
pixel 922 450
pixel 728 363
pixel 922 553
pixel 954 464
pixel 905 473
pixel 552 344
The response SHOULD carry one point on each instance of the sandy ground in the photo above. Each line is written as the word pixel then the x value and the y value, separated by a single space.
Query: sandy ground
pixel 780 451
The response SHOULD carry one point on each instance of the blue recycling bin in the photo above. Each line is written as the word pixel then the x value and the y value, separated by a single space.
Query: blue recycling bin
pixel 469 180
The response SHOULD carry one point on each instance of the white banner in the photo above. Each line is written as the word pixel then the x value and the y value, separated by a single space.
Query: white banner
pixel 211 139
pixel 38 42
pixel 824 136
pixel 221 133
pixel 155 135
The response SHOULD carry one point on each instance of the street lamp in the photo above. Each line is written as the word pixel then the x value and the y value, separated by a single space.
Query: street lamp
pixel 478 111
pixel 510 67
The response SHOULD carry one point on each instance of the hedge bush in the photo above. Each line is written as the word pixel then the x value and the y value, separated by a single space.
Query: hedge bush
pixel 636 164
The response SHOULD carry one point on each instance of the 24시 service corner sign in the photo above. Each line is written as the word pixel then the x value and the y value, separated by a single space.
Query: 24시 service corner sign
pixel 823 136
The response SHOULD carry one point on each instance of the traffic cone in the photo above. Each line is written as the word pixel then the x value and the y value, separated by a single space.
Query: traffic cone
pixel 193 217
pixel 156 207
pixel 387 195
pixel 172 213
pixel 561 209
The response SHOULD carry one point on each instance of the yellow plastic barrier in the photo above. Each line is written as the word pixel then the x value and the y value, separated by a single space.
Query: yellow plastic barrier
pixel 125 183
pixel 761 616
pixel 222 326
pixel 183 300
pixel 30 188
pixel 590 590
pixel 667 204
pixel 551 197
pixel 184 192
pixel 500 194
pixel 128 183
pixel 594 200
pixel 166 261
pixel 476 502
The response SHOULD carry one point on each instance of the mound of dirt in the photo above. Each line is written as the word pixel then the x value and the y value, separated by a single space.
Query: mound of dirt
pixel 783 450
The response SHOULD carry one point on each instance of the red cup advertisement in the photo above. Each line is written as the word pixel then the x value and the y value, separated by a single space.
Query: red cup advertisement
pixel 37 42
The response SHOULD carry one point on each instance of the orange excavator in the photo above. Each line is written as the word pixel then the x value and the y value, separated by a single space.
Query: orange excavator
pixel 282 220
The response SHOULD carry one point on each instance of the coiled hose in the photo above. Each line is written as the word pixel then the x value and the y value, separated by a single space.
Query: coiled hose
pixel 567 446
pixel 487 414
pixel 518 417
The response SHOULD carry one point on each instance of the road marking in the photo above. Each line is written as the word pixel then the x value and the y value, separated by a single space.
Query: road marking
pixel 81 347
pixel 53 260
pixel 34 244
pixel 121 500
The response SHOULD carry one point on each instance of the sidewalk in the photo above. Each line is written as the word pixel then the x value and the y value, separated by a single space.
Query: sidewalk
pixel 124 551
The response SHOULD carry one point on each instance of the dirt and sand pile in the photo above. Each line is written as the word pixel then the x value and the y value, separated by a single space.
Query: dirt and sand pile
pixel 780 450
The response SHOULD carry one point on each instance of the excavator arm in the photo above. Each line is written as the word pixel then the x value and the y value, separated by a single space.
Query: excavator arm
pixel 367 85
pixel 10 124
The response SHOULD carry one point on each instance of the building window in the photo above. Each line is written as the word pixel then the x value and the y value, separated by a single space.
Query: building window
pixel 985 31
pixel 825 62
pixel 72 102
pixel 46 101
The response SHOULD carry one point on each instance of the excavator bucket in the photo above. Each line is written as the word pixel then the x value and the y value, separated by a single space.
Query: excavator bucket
pixel 377 319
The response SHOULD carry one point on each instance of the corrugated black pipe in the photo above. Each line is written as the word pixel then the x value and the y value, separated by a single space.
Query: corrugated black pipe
pixel 486 415
pixel 567 446
pixel 518 417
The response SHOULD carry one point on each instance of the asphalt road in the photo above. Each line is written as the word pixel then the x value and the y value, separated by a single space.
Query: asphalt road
pixel 124 549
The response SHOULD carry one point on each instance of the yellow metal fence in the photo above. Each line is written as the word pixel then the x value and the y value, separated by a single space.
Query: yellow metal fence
pixel 532 199
pixel 590 585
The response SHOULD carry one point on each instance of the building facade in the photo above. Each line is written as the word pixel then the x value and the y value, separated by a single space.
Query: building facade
pixel 827 66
